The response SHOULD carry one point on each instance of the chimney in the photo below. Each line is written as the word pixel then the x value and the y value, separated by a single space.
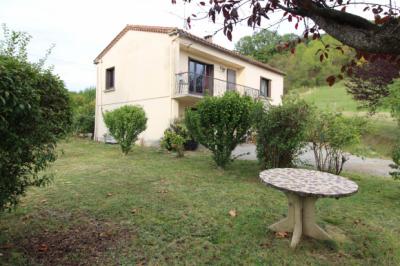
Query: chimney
pixel 208 38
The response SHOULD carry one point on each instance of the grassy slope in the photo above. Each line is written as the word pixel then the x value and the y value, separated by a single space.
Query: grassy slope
pixel 151 208
pixel 382 136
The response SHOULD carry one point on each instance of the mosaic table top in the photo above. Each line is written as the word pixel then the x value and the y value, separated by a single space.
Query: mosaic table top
pixel 308 182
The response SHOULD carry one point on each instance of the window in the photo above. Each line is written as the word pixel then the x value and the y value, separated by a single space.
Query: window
pixel 110 78
pixel 265 87
pixel 231 79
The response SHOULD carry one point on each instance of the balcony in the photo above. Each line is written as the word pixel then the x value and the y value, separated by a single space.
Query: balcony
pixel 191 86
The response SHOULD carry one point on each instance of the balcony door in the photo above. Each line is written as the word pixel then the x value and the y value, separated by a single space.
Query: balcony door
pixel 200 77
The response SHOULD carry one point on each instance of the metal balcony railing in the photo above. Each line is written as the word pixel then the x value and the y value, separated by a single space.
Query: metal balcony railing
pixel 189 83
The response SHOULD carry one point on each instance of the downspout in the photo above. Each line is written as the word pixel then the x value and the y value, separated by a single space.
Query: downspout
pixel 99 99
pixel 172 69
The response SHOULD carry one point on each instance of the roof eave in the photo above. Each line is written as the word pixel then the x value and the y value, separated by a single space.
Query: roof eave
pixel 190 36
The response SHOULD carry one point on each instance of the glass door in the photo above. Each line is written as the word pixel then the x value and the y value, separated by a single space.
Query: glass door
pixel 200 77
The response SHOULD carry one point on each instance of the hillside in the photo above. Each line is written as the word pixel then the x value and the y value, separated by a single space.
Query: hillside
pixel 382 133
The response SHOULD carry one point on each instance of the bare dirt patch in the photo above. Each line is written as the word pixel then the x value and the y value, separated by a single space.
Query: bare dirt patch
pixel 83 244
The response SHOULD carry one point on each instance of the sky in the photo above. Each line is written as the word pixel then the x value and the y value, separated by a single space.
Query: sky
pixel 81 29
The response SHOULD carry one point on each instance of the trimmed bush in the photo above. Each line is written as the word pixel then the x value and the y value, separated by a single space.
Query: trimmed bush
pixel 221 123
pixel 281 133
pixel 125 124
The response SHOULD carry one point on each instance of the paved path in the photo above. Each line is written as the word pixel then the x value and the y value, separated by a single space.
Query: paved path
pixel 371 166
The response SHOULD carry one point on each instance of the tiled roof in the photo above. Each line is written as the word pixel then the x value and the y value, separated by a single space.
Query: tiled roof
pixel 171 30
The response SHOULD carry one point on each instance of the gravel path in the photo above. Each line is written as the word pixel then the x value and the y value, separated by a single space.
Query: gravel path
pixel 371 166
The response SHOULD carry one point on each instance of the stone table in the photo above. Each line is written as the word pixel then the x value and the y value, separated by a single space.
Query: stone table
pixel 303 187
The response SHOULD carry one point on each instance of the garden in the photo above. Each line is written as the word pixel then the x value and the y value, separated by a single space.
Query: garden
pixel 129 204
pixel 150 207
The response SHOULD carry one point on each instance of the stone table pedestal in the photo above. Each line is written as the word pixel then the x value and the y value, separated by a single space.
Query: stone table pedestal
pixel 303 188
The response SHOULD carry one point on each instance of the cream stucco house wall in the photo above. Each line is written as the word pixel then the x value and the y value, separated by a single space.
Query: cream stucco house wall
pixel 166 70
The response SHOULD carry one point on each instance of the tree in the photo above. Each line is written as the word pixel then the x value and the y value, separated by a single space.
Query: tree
pixel 369 84
pixel 221 123
pixel 370 39
pixel 262 45
pixel 125 124
pixel 381 36
pixel 303 68
pixel 83 106
pixel 34 114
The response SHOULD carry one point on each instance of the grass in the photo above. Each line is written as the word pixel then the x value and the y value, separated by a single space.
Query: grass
pixel 152 208
pixel 379 141
pixel 331 98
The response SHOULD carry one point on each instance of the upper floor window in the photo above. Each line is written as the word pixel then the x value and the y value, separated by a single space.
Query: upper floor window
pixel 200 77
pixel 110 78
pixel 265 87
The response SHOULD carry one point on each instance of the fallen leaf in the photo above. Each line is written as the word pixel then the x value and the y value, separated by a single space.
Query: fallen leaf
pixel 233 213
pixel 109 194
pixel 134 211
pixel 163 191
pixel 281 234
pixel 43 201
pixel 265 245
pixel 43 248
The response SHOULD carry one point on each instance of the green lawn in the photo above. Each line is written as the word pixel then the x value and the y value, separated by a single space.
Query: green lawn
pixel 152 208
pixel 379 141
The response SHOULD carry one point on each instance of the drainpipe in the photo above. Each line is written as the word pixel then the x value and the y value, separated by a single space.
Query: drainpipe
pixel 172 68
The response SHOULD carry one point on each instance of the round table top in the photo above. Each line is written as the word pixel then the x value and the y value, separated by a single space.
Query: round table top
pixel 308 182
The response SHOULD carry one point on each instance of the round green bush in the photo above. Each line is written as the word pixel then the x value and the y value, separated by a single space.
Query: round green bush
pixel 125 124
pixel 221 123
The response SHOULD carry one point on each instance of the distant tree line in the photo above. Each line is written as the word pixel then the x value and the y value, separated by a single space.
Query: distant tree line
pixel 83 107
pixel 304 67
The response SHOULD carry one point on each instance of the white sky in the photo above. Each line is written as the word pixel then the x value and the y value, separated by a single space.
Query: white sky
pixel 80 29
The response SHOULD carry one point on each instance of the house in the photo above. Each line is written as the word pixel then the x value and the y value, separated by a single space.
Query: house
pixel 166 70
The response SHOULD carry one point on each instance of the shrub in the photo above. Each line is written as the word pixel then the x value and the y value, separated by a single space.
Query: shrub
pixel 221 123
pixel 125 124
pixel 34 114
pixel 173 142
pixel 281 133
pixel 179 128
pixel 396 165
pixel 329 134
pixel 393 101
